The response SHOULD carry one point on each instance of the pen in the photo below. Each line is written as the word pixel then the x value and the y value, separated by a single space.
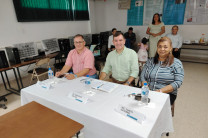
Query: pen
pixel 100 86
pixel 82 80
pixel 78 100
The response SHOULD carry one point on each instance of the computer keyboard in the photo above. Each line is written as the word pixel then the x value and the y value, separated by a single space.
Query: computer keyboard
pixel 33 58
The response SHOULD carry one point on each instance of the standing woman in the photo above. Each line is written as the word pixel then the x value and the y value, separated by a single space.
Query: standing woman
pixel 155 30
pixel 163 73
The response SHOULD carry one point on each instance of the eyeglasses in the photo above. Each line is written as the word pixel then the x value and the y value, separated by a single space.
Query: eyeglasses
pixel 80 42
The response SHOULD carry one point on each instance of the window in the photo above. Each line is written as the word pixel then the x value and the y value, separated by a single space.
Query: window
pixel 51 10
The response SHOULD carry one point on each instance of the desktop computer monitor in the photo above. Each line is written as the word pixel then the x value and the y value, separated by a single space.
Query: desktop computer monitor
pixel 13 55
pixel 50 45
pixel 27 50
pixel 95 39
pixel 64 45
pixel 71 40
pixel 3 59
pixel 88 39
pixel 104 37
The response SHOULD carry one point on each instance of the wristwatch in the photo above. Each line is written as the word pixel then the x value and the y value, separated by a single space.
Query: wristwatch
pixel 75 75
pixel 128 82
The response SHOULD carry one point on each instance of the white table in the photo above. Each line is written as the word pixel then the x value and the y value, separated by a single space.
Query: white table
pixel 99 117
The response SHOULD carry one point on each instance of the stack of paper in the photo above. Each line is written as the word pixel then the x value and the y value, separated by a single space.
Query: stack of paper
pixel 103 86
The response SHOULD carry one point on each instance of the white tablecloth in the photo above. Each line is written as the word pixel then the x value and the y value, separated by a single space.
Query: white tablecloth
pixel 99 117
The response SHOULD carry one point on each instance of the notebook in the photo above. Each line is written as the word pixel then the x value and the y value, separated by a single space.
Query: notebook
pixel 103 86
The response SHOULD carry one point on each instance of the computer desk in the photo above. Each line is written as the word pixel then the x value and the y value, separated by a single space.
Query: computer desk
pixel 17 74
pixel 7 85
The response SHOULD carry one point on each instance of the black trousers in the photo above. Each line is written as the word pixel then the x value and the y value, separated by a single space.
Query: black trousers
pixel 176 54
pixel 172 98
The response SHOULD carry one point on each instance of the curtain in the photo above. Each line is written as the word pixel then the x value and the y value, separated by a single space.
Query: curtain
pixel 51 10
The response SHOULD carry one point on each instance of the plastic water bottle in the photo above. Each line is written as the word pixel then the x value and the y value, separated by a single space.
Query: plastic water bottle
pixel 145 93
pixel 88 83
pixel 50 73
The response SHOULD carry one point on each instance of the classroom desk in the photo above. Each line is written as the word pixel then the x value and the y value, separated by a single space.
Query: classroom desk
pixel 99 116
pixel 17 74
pixel 6 81
pixel 34 120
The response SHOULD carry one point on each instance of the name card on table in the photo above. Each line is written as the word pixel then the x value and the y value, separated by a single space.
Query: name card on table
pixel 78 97
pixel 43 85
pixel 139 117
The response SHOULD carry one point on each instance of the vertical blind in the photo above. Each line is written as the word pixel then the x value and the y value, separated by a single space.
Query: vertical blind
pixel 51 10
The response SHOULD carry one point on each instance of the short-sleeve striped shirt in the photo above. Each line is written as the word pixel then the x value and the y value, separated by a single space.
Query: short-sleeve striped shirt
pixel 159 76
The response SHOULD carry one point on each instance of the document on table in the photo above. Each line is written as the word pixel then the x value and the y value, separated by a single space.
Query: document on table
pixel 103 86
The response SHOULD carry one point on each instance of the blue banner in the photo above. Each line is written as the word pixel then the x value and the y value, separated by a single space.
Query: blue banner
pixel 135 13
pixel 173 12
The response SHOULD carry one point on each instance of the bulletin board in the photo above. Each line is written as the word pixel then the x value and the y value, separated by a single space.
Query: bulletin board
pixel 173 12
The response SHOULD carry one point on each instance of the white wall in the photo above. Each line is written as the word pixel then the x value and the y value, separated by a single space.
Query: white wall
pixel 104 15
pixel 17 32
pixel 12 31
pixel 92 22
pixel 108 16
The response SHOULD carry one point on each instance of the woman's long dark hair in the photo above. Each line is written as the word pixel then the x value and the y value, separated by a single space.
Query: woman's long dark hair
pixel 153 21
pixel 170 58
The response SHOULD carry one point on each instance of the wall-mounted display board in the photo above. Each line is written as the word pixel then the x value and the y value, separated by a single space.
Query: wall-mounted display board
pixel 172 12
pixel 124 4
pixel 150 8
pixel 196 12
pixel 135 14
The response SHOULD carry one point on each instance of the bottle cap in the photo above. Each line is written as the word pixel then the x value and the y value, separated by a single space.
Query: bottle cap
pixel 49 68
pixel 87 76
pixel 145 83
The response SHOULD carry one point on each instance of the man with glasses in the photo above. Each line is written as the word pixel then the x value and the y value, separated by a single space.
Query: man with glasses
pixel 80 59
pixel 176 39
pixel 122 62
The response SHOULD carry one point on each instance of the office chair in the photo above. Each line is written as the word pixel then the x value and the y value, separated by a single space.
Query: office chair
pixel 38 71
pixel 3 98
pixel 102 50
pixel 98 67
pixel 59 61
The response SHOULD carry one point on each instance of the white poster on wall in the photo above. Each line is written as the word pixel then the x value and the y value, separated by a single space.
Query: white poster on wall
pixel 196 12
pixel 150 8
pixel 139 3
pixel 124 4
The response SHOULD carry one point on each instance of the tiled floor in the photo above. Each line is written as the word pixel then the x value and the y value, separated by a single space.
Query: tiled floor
pixel 191 112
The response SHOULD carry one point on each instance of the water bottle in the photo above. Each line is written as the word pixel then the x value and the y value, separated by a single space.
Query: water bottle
pixel 50 73
pixel 88 83
pixel 145 93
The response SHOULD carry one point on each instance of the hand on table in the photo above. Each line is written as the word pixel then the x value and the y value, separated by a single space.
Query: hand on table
pixel 126 84
pixel 70 76
pixel 58 74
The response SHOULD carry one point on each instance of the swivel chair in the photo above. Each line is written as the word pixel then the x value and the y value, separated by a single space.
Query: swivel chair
pixel 98 68
pixel 3 98
pixel 59 61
